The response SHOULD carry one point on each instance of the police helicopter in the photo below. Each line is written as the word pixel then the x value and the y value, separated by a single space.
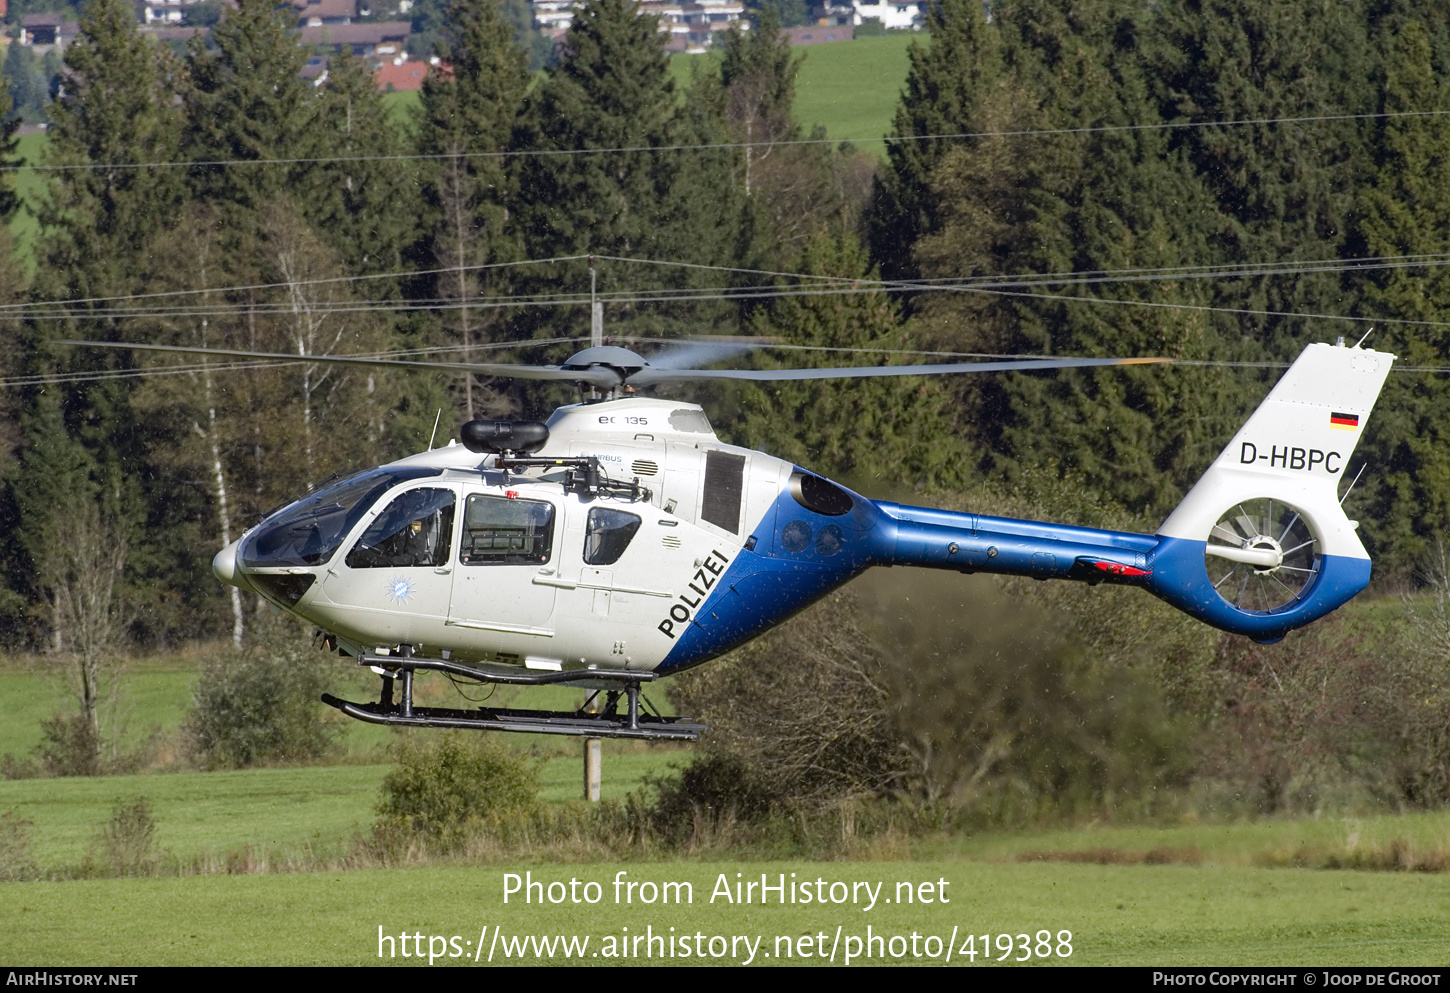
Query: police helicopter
pixel 622 541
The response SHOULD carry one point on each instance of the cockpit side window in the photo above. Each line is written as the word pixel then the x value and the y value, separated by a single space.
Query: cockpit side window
pixel 608 534
pixel 416 529
pixel 502 531
pixel 310 531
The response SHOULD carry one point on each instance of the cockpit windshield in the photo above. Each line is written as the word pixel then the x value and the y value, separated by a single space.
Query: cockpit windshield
pixel 310 531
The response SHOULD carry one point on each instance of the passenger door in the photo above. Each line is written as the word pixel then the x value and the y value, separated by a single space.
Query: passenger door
pixel 505 545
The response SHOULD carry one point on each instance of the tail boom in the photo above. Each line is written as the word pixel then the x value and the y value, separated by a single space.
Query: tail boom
pixel 1260 545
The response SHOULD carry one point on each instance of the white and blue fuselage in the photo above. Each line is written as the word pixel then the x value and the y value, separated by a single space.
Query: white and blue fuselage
pixel 445 553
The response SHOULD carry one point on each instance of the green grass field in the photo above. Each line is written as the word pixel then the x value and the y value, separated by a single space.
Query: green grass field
pixel 1222 909
pixel 149 700
pixel 285 812
pixel 1160 915
pixel 850 88
pixel 404 107
pixel 24 226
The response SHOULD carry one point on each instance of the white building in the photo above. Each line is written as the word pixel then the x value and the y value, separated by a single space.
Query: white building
pixel 690 26
pixel 893 14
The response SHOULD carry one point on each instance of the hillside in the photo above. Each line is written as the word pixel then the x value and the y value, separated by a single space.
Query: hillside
pixel 849 88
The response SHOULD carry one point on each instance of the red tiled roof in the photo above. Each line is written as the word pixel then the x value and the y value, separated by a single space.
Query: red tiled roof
pixel 408 76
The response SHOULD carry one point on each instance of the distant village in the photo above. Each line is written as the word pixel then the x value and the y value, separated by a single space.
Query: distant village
pixel 328 27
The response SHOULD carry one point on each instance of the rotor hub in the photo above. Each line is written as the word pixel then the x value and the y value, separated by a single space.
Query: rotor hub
pixel 1266 543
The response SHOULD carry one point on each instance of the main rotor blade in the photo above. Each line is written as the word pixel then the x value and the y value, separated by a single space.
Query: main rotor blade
pixel 655 375
pixel 598 376
pixel 696 353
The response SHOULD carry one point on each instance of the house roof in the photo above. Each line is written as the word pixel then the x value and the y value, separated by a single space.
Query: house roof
pixel 325 8
pixel 402 77
pixel 357 34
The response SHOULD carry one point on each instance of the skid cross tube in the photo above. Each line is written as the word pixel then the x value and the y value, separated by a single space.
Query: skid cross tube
pixel 608 724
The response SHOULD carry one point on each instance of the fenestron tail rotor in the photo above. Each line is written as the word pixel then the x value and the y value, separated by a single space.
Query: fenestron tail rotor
pixel 1262 555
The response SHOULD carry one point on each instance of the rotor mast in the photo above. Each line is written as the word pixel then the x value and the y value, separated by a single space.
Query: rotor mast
pixel 596 309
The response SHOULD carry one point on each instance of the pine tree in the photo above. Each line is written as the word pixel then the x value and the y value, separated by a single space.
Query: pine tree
pixel 896 431
pixel 612 91
pixel 100 212
pixel 1405 211
pixel 949 78
pixel 12 288
pixel 1080 200
pixel 246 100
pixel 362 205
pixel 9 157
pixel 115 112
pixel 1285 191
pixel 470 111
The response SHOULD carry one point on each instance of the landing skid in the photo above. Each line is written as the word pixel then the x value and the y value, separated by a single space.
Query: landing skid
pixel 610 723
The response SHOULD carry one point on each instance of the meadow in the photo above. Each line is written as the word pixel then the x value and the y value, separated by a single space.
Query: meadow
pixel 251 873
pixel 1112 915
pixel 30 184
pixel 850 88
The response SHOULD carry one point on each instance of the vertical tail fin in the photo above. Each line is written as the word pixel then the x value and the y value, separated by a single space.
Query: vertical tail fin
pixel 1260 545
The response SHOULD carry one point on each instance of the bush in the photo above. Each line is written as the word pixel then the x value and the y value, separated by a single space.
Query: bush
pixel 1008 718
pixel 16 863
pixel 127 838
pixel 957 700
pixel 707 795
pixel 69 746
pixel 450 785
pixel 259 706
pixel 803 709
pixel 13 768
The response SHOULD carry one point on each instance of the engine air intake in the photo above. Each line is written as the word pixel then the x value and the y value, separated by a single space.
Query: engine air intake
pixel 815 493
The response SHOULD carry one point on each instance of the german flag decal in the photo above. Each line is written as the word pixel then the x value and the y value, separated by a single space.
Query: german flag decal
pixel 1344 422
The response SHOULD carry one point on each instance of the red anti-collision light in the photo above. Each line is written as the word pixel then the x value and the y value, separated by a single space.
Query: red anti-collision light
pixel 1118 569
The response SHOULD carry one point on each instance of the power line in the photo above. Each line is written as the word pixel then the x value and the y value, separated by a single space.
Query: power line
pixel 61 309
pixel 822 284
pixel 400 274
pixel 708 146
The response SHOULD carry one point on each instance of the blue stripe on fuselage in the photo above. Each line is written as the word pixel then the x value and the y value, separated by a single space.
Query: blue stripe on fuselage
pixel 772 583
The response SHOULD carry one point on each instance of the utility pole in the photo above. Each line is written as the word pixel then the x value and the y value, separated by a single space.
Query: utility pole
pixel 593 758
pixel 596 310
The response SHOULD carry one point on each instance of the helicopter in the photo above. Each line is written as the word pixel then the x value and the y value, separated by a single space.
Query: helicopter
pixel 621 541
